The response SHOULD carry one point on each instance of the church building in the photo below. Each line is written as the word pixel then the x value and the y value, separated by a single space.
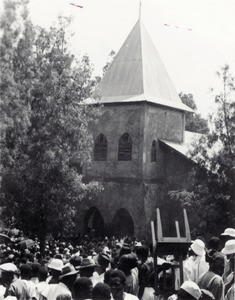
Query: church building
pixel 140 143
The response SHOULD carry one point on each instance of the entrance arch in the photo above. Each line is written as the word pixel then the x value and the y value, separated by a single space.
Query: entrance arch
pixel 123 224
pixel 94 222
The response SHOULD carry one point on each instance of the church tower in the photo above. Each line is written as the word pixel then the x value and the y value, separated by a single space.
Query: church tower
pixel 142 118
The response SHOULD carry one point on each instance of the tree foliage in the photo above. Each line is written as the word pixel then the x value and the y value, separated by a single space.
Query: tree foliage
pixel 212 191
pixel 194 121
pixel 44 122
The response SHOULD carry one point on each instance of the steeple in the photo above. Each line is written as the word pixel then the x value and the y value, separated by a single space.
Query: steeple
pixel 138 74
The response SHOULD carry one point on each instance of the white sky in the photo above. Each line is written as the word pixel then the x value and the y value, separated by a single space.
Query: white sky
pixel 191 57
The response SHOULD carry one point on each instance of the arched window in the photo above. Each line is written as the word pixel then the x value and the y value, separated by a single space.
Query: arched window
pixel 154 151
pixel 125 147
pixel 100 150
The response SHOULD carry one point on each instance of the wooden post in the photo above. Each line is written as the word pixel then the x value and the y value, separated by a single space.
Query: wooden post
pixel 177 229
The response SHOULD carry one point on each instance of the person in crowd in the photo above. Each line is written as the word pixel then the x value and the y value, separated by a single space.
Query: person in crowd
pixel 126 263
pixel 65 285
pixel 146 269
pixel 117 282
pixel 229 251
pixel 227 235
pixel 189 290
pixel 83 289
pixel 87 268
pixel 14 286
pixel 42 285
pixel 195 265
pixel 35 269
pixel 26 274
pixel 103 260
pixel 212 279
pixel 55 268
pixel 101 292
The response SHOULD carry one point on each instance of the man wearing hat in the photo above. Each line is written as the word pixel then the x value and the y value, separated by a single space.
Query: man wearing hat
pixel 195 265
pixel 103 260
pixel 87 268
pixel 55 267
pixel 227 235
pixel 14 286
pixel 212 279
pixel 65 286
pixel 229 251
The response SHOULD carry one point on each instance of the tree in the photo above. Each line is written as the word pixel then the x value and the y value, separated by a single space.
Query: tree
pixel 211 194
pixel 45 140
pixel 194 121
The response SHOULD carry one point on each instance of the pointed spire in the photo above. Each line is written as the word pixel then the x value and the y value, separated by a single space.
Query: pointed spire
pixel 138 74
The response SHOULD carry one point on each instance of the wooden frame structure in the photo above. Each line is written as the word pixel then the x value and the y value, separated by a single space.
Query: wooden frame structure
pixel 177 246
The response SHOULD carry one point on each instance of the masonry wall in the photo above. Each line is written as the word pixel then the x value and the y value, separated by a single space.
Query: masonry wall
pixel 139 185
pixel 114 122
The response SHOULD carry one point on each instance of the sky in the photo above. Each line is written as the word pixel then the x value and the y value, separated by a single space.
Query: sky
pixel 197 41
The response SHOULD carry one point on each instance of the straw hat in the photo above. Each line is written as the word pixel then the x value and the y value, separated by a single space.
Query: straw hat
pixel 68 270
pixel 198 247
pixel 192 288
pixel 87 263
pixel 56 264
pixel 229 232
pixel 9 267
pixel 229 247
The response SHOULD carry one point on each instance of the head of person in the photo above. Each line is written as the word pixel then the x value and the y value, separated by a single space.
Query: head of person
pixel 117 281
pixel 87 267
pixel 228 234
pixel 214 243
pixel 127 262
pixel 42 274
pixel 55 267
pixel 216 263
pixel 25 271
pixel 103 260
pixel 142 253
pixel 82 288
pixel 189 290
pixel 101 291
pixel 9 273
pixel 35 268
pixel 197 248
pixel 229 248
pixel 107 276
pixel 68 276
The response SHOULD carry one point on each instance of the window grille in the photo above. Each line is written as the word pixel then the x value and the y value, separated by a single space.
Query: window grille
pixel 125 147
pixel 100 150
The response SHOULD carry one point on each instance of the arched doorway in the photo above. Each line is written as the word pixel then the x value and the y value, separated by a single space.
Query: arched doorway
pixel 123 224
pixel 94 222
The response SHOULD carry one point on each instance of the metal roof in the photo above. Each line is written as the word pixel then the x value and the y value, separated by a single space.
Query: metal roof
pixel 184 148
pixel 138 74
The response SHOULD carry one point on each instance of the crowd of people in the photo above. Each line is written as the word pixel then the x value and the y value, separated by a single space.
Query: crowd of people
pixel 118 269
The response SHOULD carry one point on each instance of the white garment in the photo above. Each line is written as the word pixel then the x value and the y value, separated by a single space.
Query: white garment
pixel 127 296
pixel 55 290
pixel 40 288
pixel 194 267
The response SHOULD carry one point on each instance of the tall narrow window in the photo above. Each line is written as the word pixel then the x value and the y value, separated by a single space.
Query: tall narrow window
pixel 100 150
pixel 125 147
pixel 154 151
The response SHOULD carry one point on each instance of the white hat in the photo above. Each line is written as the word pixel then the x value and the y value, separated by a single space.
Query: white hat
pixel 229 247
pixel 229 232
pixel 9 267
pixel 192 288
pixel 56 264
pixel 198 247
